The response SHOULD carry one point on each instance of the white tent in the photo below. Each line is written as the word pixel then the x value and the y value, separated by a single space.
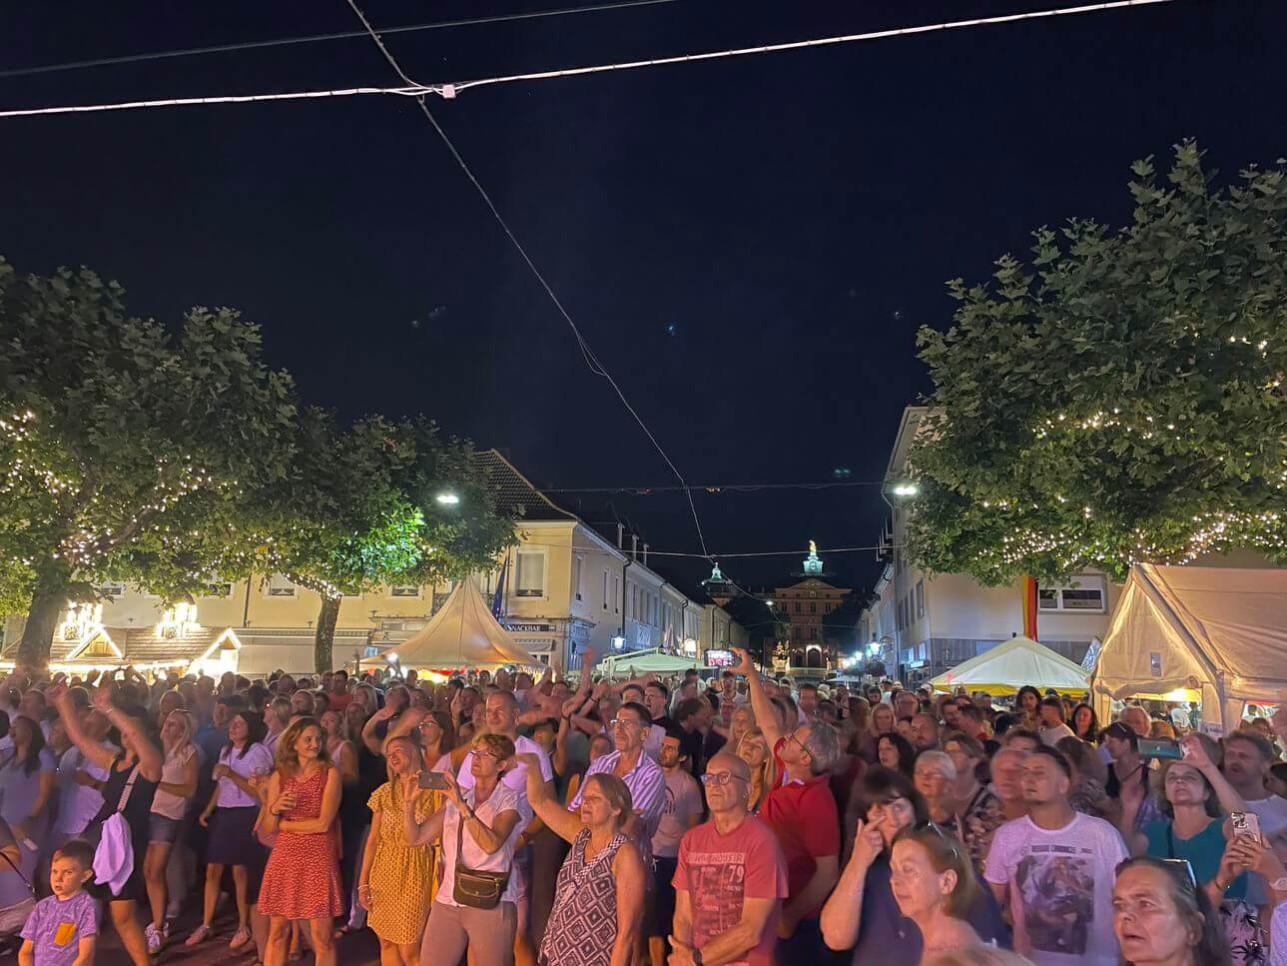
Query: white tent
pixel 1211 632
pixel 463 634
pixel 652 661
pixel 1009 666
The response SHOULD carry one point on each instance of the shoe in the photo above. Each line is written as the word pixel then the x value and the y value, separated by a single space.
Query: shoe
pixel 199 935
pixel 240 938
pixel 154 938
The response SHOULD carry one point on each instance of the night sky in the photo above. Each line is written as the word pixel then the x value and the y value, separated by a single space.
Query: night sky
pixel 749 245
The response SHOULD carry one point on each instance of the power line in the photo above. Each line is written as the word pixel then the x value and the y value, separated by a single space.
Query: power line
pixel 451 90
pixel 766 553
pixel 713 487
pixel 590 358
pixel 315 38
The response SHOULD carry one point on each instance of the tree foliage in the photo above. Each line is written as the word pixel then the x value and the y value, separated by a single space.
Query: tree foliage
pixel 358 510
pixel 1118 398
pixel 126 449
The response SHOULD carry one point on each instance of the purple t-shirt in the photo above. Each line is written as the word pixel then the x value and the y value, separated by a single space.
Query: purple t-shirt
pixel 56 928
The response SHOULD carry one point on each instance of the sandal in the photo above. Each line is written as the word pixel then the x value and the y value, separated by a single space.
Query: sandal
pixel 199 935
pixel 240 938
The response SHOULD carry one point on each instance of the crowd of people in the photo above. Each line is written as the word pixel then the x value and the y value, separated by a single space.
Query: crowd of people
pixel 498 819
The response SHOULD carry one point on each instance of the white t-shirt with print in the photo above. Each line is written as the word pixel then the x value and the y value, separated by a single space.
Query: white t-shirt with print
pixel 1061 888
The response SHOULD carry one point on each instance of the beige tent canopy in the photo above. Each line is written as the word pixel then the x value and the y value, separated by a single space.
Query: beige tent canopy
pixel 1009 666
pixel 463 634
pixel 1219 631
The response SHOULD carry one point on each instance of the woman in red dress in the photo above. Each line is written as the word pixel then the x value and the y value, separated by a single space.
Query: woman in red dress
pixel 302 880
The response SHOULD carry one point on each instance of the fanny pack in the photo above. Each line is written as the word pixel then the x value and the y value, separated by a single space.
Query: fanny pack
pixel 477 890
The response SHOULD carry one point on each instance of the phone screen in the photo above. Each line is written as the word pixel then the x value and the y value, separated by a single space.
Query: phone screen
pixel 433 780
pixel 1159 748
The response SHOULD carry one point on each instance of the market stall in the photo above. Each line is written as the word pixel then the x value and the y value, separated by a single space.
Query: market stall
pixel 1010 665
pixel 1211 634
pixel 463 634
pixel 644 662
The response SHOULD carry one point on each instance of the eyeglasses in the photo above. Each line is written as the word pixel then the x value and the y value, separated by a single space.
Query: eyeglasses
pixel 624 723
pixel 720 779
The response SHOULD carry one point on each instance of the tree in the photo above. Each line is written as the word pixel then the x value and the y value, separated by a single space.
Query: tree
pixel 1119 399
pixel 126 449
pixel 359 509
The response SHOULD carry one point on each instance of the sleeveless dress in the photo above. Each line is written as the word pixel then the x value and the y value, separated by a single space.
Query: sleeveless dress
pixel 583 925
pixel 137 812
pixel 402 875
pixel 302 880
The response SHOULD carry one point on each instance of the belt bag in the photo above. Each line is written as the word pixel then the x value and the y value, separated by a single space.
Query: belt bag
pixel 477 890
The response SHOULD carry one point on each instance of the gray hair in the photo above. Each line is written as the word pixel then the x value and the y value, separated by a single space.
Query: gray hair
pixel 940 760
pixel 823 746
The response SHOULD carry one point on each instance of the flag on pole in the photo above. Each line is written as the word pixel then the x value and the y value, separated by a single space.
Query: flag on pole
pixel 498 601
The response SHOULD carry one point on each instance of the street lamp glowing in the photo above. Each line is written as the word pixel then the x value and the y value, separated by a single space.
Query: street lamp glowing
pixel 906 489
pixel 447 499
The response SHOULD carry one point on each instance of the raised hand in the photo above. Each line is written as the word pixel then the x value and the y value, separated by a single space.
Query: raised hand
pixel 745 666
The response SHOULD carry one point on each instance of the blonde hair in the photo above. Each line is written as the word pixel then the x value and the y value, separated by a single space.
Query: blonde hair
pixel 186 740
pixel 976 955
pixel 764 775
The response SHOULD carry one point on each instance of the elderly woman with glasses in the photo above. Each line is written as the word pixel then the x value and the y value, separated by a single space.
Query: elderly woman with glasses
pixel 599 902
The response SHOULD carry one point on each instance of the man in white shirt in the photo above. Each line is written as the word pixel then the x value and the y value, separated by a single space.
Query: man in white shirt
pixel 1055 869
pixel 1053 726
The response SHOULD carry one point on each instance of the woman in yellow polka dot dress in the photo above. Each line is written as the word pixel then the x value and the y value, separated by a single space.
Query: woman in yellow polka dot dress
pixel 397 880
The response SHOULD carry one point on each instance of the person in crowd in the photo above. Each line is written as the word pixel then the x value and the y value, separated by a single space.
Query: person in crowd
pixel 1161 917
pixel 736 858
pixel 657 700
pixel 688 716
pixel 302 879
pixel 925 732
pixel 27 780
pixel 1089 771
pixel 754 750
pixel 80 781
pixel 339 748
pixel 896 752
pixel 62 929
pixel 1128 775
pixel 1085 723
pixel 599 899
pixel 1052 868
pixel 395 884
pixel 1027 707
pixel 881 723
pixel 681 810
pixel 133 775
pixel 934 777
pixel 169 806
pixel 17 891
pixel 905 704
pixel 862 913
pixel 478 827
pixel 1247 759
pixel 230 817
pixel 977 955
pixel 934 884
pixel 979 811
pixel 1053 726
pixel 277 716
pixel 1138 720
pixel 802 813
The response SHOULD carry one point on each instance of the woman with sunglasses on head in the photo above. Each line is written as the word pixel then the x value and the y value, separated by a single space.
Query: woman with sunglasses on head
pixel 1162 918
pixel 934 885
pixel 863 913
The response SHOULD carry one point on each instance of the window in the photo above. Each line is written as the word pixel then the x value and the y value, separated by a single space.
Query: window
pixel 577 561
pixel 616 594
pixel 920 599
pixel 530 574
pixel 113 590
pixel 279 586
pixel 605 589
pixel 1085 595
pixel 405 590
pixel 219 588
pixel 813 608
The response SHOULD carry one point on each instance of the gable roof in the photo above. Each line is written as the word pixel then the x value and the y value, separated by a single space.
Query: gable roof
pixel 515 492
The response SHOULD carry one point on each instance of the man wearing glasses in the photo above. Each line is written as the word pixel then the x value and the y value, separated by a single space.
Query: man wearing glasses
pixel 730 879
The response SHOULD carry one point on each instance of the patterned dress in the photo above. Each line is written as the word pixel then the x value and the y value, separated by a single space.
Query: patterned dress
pixel 402 875
pixel 583 926
pixel 302 880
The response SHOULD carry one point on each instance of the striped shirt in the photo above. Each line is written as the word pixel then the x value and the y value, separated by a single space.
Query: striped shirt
pixel 647 784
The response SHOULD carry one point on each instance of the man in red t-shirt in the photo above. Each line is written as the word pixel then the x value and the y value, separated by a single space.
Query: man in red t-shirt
pixel 802 813
pixel 730 879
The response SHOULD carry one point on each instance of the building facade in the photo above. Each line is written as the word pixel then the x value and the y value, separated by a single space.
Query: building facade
pixel 804 605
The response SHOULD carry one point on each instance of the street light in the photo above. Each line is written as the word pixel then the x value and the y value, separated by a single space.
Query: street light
pixel 447 498
pixel 906 489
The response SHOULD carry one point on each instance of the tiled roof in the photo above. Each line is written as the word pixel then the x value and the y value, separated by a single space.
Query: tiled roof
pixel 515 491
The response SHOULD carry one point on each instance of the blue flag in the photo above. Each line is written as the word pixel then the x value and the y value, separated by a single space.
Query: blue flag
pixel 498 601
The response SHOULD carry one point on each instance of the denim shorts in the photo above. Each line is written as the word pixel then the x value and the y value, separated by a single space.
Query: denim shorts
pixel 162 829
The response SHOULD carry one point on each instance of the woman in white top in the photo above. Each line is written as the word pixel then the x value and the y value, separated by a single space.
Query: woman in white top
pixel 478 828
pixel 178 784
pixel 231 817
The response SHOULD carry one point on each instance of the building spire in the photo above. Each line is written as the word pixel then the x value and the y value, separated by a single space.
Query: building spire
pixel 812 565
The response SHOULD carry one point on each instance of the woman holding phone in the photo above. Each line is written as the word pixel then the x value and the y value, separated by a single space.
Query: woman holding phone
pixel 396 882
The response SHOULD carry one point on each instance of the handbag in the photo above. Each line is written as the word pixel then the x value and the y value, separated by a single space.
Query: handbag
pixel 476 889
pixel 114 857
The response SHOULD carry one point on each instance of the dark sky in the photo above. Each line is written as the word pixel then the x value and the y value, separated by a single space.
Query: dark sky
pixel 794 215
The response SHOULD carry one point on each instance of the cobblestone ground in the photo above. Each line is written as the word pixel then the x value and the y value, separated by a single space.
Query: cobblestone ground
pixel 359 949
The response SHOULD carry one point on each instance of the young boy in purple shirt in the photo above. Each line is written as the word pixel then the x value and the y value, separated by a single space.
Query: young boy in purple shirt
pixel 62 930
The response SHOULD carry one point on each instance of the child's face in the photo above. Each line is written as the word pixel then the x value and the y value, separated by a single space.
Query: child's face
pixel 67 876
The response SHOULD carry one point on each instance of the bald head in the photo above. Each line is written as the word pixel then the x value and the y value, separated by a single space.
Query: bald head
pixel 731 763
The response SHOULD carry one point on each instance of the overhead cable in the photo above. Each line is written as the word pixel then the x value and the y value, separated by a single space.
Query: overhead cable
pixel 451 90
